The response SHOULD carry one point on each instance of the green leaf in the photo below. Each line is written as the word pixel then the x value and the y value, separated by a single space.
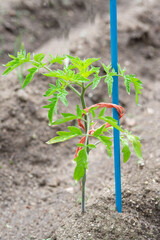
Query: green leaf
pixel 91 71
pixel 79 112
pixel 137 147
pixel 50 91
pixel 89 61
pixel 16 61
pixel 52 108
pixel 102 112
pixel 96 81
pixel 7 71
pixel 62 95
pixel 109 77
pixel 82 65
pixel 63 120
pixel 109 81
pixel 67 75
pixel 127 82
pixel 63 136
pixel 75 130
pixel 80 145
pixel 93 109
pixel 82 164
pixel 136 144
pixel 56 59
pixel 11 56
pixel 93 114
pixel 106 141
pixel 39 57
pixel 30 76
pixel 112 122
pixel 99 131
pixel 137 85
pixel 91 146
pixel 106 68
pixel 68 115
pixel 125 150
pixel 121 71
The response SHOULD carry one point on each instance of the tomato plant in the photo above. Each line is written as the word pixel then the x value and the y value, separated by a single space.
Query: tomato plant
pixel 78 77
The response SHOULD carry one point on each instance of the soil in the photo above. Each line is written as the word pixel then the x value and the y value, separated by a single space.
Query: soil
pixel 38 197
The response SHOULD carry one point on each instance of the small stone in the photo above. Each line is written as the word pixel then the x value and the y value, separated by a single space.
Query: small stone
pixel 66 3
pixel 147 190
pixel 12 13
pixel 130 122
pixel 42 183
pixel 70 190
pixel 22 95
pixel 34 136
pixel 21 117
pixel 127 63
pixel 146 182
pixel 54 182
pixel 13 113
pixel 141 165
pixel 128 193
pixel 150 111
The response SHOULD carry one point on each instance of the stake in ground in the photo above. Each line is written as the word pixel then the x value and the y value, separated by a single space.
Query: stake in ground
pixel 78 77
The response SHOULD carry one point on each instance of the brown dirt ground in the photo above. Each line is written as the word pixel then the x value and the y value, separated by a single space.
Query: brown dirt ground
pixel 38 197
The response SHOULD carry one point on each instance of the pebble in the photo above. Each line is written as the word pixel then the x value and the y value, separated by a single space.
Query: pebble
pixel 54 182
pixel 22 95
pixel 128 193
pixel 42 183
pixel 150 111
pixel 130 122
pixel 146 182
pixel 66 3
pixel 141 165
pixel 21 117
pixel 70 190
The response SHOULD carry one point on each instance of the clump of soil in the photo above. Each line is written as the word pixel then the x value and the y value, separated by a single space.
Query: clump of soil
pixel 140 218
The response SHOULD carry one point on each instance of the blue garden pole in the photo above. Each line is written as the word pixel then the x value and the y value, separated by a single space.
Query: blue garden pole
pixel 115 100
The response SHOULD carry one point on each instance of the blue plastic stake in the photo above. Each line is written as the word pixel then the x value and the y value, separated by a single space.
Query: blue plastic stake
pixel 115 100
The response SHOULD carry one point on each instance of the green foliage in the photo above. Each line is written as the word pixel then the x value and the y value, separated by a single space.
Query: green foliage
pixel 63 136
pixel 135 143
pixel 131 79
pixel 66 118
pixel 107 142
pixel 125 150
pixel 52 107
pixel 99 131
pixel 109 77
pixel 57 59
pixel 19 46
pixel 77 77
pixel 17 61
pixel 82 164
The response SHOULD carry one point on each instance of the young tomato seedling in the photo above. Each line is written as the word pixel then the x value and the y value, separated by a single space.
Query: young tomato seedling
pixel 77 77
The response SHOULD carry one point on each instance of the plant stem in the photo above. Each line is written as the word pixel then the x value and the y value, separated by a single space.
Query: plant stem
pixel 74 90
pixel 83 192
pixel 88 85
pixel 84 177
pixel 87 124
